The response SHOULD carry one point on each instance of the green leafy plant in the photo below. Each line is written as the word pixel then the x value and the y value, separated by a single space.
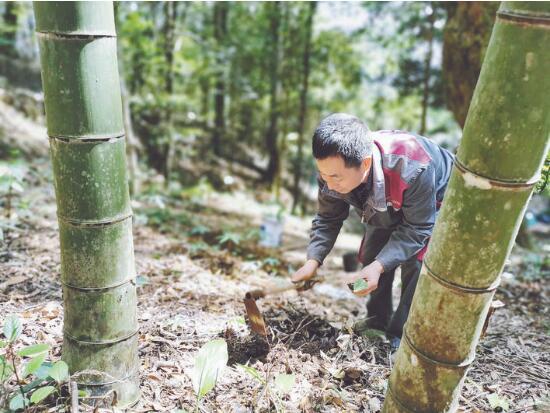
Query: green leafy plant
pixel 542 186
pixel 26 378
pixel 229 238
pixel 498 403
pixel 252 234
pixel 209 364
pixel 283 383
pixel 252 372
pixel 270 263
pixel 237 321
pixel 198 247
pixel 198 192
pixel 11 185
pixel 360 284
pixel 199 230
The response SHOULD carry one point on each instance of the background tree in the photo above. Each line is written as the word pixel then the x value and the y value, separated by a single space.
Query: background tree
pixel 465 38
pixel 9 29
pixel 221 10
pixel 273 10
pixel 306 58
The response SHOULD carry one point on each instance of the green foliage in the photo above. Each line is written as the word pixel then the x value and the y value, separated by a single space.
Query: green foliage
pixel 209 364
pixel 270 263
pixel 6 369
pixel 198 247
pixel 360 284
pixel 165 219
pixel 10 180
pixel 284 383
pixel 198 191
pixel 43 372
pixel 35 377
pixel 12 328
pixel 199 230
pixel 240 320
pixel 41 393
pixel 254 373
pixel 60 372
pixel 230 239
pixel 33 365
pixel 498 403
pixel 34 350
pixel 11 188
pixel 18 402
pixel 542 186
pixel 534 266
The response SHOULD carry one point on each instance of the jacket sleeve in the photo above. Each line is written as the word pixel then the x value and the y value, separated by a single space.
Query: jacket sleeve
pixel 419 212
pixel 326 225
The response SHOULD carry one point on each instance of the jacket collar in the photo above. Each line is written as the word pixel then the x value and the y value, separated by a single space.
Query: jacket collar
pixel 377 196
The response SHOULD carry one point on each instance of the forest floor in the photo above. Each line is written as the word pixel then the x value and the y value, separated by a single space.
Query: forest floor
pixel 197 254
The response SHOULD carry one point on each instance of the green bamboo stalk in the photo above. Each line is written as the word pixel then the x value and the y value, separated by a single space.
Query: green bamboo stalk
pixel 499 160
pixel 80 78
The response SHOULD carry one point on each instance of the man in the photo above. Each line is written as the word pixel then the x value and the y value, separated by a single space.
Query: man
pixel 395 181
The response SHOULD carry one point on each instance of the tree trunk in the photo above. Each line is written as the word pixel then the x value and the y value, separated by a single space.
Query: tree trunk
pixel 499 160
pixel 169 10
pixel 80 78
pixel 220 33
pixel 273 131
pixel 427 70
pixel 9 29
pixel 133 145
pixel 465 38
pixel 303 106
pixel 205 98
pixel 285 110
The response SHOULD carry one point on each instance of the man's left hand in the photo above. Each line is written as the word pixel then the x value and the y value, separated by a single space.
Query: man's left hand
pixel 371 273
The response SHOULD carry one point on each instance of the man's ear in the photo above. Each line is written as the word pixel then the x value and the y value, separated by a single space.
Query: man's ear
pixel 367 162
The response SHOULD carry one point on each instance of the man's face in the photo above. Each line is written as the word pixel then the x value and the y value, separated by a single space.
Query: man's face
pixel 340 178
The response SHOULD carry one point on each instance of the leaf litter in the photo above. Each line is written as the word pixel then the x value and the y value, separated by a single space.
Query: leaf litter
pixel 185 303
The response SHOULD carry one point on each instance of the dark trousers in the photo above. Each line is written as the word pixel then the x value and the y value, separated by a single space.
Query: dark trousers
pixel 379 307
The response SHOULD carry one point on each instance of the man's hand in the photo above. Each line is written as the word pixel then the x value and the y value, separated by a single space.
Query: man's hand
pixel 306 272
pixel 371 273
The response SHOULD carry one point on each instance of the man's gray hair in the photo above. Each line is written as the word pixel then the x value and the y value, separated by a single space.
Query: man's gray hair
pixel 341 134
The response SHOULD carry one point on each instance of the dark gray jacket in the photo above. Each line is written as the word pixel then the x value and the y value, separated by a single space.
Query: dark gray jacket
pixel 408 178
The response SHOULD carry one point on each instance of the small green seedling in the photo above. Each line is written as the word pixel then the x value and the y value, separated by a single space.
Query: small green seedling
pixel 209 364
pixel 360 284
pixel 35 378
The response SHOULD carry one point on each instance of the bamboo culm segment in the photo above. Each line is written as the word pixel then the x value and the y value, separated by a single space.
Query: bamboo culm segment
pixel 97 256
pixel 112 311
pixel 117 362
pixel 82 96
pixel 508 118
pixel 90 180
pixel 84 120
pixel 448 344
pixel 473 228
pixel 504 144
pixel 75 17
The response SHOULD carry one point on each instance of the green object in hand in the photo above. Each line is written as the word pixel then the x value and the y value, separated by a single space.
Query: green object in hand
pixel 360 284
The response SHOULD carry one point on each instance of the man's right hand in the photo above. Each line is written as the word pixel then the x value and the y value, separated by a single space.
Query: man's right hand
pixel 306 272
